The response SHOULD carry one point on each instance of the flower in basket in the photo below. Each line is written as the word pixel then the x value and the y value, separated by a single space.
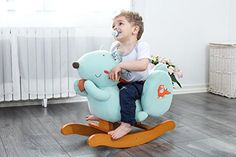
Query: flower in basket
pixel 173 70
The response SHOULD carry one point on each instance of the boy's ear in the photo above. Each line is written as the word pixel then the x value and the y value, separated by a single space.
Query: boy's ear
pixel 136 29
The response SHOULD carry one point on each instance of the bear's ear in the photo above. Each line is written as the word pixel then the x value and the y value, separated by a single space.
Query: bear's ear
pixel 116 56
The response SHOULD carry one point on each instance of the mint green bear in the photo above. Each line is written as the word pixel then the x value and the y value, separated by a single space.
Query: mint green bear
pixel 103 93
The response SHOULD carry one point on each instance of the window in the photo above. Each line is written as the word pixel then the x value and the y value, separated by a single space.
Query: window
pixel 40 13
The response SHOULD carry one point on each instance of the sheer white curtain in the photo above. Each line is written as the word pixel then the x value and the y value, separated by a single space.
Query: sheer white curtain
pixel 35 61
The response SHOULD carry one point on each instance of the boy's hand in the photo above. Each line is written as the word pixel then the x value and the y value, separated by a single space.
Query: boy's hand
pixel 114 73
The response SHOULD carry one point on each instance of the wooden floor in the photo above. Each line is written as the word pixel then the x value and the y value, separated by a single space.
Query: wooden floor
pixel 206 127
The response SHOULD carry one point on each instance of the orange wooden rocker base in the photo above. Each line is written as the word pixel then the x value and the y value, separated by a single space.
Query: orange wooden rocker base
pixel 98 133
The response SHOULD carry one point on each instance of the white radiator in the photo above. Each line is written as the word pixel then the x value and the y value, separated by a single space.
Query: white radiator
pixel 35 63
pixel 6 67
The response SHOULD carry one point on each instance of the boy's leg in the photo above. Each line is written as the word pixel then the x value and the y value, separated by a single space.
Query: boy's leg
pixel 128 95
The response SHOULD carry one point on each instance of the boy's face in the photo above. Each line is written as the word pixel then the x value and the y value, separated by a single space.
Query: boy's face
pixel 126 29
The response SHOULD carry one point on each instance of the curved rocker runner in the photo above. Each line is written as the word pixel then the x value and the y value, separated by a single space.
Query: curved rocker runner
pixel 98 137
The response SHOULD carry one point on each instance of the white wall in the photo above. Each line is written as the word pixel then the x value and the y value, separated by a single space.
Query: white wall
pixel 232 21
pixel 181 31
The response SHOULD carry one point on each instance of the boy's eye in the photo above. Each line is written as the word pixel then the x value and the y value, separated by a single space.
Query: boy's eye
pixel 120 23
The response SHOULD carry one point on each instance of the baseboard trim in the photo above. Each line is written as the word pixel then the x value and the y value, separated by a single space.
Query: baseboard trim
pixel 68 100
pixel 75 99
pixel 191 89
pixel 185 90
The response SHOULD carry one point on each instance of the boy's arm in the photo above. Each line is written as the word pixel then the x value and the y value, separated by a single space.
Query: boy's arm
pixel 138 65
pixel 141 64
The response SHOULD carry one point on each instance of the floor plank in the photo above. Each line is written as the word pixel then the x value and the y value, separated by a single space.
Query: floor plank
pixel 2 149
pixel 23 136
pixel 206 125
pixel 212 147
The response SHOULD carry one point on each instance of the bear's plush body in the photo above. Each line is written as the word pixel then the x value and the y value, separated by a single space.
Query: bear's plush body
pixel 103 93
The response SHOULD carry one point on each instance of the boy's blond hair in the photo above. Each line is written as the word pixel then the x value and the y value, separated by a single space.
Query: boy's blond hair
pixel 134 18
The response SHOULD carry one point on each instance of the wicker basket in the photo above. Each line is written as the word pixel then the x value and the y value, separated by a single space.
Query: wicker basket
pixel 222 69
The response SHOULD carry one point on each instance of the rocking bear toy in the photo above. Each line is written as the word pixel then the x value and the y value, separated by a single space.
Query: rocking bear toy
pixel 103 102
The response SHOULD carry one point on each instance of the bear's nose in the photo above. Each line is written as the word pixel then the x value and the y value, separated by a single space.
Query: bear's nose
pixel 75 65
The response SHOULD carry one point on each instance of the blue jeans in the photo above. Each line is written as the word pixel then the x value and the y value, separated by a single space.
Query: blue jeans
pixel 129 93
